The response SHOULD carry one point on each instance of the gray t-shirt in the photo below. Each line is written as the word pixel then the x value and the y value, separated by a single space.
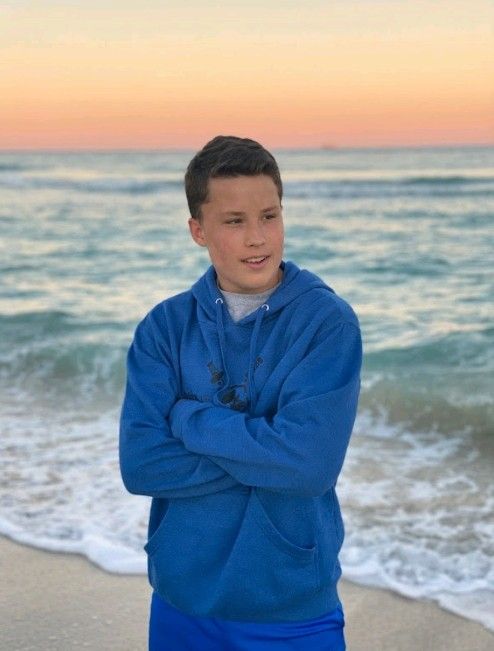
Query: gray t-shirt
pixel 240 305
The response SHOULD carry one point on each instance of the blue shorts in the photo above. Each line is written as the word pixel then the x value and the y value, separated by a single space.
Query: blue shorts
pixel 172 630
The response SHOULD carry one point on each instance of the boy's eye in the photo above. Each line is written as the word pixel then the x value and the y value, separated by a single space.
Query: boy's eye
pixel 238 220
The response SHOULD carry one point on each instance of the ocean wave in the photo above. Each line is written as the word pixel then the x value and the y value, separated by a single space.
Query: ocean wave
pixel 446 179
pixel 419 519
pixel 15 268
pixel 86 373
pixel 54 355
pixel 297 184
pixel 430 403
pixel 88 369
pixel 108 185
pixel 29 326
pixel 385 188
pixel 431 266
pixel 439 385
pixel 390 175
pixel 11 167
pixel 469 347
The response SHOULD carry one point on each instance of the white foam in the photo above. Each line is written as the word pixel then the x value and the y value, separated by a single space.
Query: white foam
pixel 111 557
pixel 418 511
pixel 417 507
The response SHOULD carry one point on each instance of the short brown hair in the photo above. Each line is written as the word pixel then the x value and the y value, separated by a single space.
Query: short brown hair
pixel 223 157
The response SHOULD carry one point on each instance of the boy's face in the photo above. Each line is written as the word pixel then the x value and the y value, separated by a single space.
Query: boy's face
pixel 236 241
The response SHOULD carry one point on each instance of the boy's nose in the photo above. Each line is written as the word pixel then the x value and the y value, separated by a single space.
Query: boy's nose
pixel 254 236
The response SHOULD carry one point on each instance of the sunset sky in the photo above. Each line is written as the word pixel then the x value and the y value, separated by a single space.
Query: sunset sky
pixel 173 73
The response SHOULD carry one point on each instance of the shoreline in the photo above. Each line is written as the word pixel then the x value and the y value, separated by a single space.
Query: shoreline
pixel 53 601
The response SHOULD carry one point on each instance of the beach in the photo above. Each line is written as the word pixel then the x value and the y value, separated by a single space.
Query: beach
pixel 54 602
pixel 93 240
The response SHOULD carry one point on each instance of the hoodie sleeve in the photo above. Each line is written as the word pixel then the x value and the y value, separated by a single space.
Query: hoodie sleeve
pixel 302 448
pixel 152 461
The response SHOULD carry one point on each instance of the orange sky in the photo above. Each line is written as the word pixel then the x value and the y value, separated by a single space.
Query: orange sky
pixel 153 74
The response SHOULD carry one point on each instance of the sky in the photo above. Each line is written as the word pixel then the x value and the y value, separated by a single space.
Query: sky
pixel 172 74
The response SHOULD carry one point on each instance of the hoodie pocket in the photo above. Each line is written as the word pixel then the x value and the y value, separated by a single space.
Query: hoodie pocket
pixel 280 541
pixel 264 571
pixel 231 562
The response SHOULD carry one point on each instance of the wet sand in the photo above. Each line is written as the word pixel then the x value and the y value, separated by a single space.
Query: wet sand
pixel 56 602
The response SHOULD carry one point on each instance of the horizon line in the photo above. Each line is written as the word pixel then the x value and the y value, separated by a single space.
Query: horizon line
pixel 323 147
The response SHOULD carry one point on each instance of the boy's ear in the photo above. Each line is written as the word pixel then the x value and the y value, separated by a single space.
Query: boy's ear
pixel 196 231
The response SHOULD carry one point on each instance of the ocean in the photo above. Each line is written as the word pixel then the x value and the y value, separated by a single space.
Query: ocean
pixel 90 241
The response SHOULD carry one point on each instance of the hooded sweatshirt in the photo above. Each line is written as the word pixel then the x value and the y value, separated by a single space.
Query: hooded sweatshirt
pixel 238 431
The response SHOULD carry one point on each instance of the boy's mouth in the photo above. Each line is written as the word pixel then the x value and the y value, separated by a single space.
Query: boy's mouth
pixel 256 261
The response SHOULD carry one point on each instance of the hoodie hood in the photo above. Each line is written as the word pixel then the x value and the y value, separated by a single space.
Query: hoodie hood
pixel 294 283
pixel 211 308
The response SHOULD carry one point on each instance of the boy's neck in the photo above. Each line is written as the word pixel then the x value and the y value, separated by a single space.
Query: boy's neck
pixel 265 292
pixel 246 295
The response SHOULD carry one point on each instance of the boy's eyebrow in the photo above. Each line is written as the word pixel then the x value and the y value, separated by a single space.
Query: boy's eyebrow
pixel 241 214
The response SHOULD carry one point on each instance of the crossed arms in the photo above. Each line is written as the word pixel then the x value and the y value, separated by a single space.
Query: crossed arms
pixel 176 448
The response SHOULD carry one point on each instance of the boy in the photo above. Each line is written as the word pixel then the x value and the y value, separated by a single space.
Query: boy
pixel 240 400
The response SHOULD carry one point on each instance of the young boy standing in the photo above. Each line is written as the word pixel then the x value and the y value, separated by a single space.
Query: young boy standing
pixel 240 401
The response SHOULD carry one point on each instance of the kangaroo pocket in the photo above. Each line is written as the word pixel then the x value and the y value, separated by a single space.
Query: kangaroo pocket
pixel 230 563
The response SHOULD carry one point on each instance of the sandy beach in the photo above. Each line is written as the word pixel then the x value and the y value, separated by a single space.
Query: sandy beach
pixel 54 602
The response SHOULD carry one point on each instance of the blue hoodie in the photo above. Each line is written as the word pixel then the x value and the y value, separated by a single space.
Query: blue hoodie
pixel 238 431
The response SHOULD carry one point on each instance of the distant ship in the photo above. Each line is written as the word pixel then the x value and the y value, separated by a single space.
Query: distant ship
pixel 328 146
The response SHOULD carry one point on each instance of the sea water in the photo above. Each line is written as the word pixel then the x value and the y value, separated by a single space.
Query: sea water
pixel 91 241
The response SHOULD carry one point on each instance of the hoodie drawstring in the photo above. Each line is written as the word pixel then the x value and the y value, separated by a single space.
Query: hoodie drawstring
pixel 222 343
pixel 252 349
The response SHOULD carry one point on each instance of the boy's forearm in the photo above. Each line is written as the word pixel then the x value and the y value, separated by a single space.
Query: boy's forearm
pixel 293 457
pixel 156 464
